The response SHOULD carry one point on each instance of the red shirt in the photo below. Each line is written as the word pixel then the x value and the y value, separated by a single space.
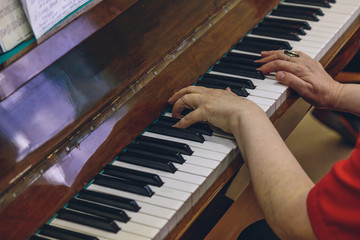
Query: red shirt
pixel 334 203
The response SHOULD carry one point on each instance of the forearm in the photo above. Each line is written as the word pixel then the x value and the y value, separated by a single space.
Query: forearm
pixel 280 184
pixel 348 99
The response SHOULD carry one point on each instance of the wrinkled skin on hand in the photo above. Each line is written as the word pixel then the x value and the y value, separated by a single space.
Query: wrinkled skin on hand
pixel 218 107
pixel 303 74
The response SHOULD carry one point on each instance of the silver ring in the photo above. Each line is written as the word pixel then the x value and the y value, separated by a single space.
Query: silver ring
pixel 290 54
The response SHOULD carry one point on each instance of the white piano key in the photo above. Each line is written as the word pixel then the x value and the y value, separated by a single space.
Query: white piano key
pixel 171 193
pixel 318 36
pixel 266 95
pixel 139 229
pixel 334 18
pixel 194 160
pixel 340 8
pixel 220 140
pixel 317 28
pixel 349 2
pixel 145 219
pixel 205 153
pixel 189 168
pixel 180 185
pixel 97 232
pixel 263 107
pixel 156 211
pixel 50 238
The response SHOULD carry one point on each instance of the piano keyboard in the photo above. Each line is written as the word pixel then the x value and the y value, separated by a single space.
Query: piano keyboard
pixel 150 186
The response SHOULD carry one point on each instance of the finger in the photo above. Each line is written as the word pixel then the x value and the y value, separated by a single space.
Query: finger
pixel 228 89
pixel 189 119
pixel 268 53
pixel 294 82
pixel 269 56
pixel 188 101
pixel 279 65
pixel 191 89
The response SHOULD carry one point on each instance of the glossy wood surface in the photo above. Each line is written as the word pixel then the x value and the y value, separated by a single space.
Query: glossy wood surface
pixel 34 59
pixel 78 87
pixel 92 74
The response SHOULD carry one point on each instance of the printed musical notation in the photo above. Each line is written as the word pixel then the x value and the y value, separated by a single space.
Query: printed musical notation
pixel 44 14
pixel 14 27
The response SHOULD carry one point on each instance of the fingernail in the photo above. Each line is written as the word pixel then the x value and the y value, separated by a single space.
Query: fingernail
pixel 280 75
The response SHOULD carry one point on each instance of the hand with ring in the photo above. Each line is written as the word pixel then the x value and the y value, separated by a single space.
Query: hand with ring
pixel 291 54
pixel 303 74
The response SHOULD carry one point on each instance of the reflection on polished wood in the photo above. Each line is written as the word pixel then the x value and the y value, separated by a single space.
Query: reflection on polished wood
pixel 68 109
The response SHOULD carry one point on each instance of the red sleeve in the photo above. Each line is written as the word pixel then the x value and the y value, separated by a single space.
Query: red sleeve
pixel 334 203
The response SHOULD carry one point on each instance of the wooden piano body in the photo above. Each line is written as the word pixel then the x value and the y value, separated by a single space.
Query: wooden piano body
pixel 70 104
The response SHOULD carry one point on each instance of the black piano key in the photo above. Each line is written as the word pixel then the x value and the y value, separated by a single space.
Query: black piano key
pixel 177 132
pixel 283 13
pixel 286 22
pixel 110 200
pixel 241 61
pixel 273 32
pixel 124 185
pixel 98 210
pixel 156 151
pixel 298 9
pixel 276 43
pixel 248 47
pixel 285 26
pixel 240 91
pixel 135 175
pixel 199 127
pixel 283 29
pixel 243 56
pixel 234 69
pixel 34 237
pixel 88 220
pixel 258 46
pixel 165 145
pixel 251 47
pixel 145 161
pixel 247 83
pixel 318 3
pixel 60 233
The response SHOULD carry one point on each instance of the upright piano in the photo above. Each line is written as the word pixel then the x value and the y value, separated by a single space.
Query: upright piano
pixel 87 150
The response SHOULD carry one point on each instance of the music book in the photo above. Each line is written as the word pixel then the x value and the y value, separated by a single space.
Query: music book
pixel 14 26
pixel 44 14
pixel 22 19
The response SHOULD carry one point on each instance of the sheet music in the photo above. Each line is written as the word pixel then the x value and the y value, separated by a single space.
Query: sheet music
pixel 14 27
pixel 44 14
